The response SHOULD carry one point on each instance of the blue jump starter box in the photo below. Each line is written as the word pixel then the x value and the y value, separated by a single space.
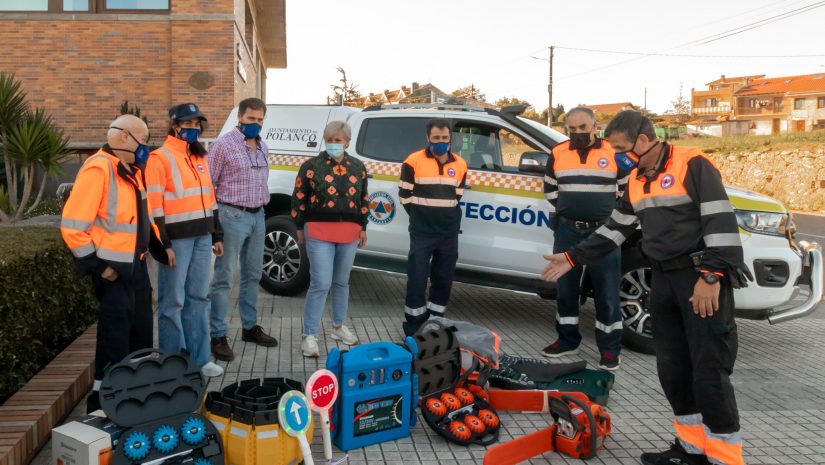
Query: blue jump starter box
pixel 379 393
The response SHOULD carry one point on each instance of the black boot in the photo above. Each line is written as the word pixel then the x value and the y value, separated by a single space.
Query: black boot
pixel 93 402
pixel 677 455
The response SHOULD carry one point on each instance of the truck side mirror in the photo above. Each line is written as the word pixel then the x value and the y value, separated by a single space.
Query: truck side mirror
pixel 533 162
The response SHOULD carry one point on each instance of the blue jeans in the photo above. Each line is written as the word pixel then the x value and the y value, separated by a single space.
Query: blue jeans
pixel 183 299
pixel 243 239
pixel 606 277
pixel 329 267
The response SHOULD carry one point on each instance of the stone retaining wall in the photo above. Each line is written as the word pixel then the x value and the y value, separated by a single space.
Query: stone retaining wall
pixel 795 177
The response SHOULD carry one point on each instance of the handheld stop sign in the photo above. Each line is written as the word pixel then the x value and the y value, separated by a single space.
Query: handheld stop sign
pixel 294 417
pixel 322 390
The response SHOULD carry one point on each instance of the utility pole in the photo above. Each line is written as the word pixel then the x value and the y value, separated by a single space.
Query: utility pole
pixel 550 91
pixel 645 112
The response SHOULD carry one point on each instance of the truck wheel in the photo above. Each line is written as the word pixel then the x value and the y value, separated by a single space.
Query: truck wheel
pixel 286 266
pixel 634 295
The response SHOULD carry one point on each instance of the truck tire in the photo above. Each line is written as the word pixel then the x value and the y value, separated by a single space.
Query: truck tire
pixel 286 266
pixel 634 295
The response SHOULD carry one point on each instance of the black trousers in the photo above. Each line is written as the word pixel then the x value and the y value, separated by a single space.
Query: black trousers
pixel 124 324
pixel 695 355
pixel 430 259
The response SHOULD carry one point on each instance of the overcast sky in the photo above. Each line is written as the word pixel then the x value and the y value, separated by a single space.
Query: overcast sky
pixel 453 43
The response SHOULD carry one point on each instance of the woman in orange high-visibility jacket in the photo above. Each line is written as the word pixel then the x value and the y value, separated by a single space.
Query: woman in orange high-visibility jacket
pixel 186 212
pixel 106 225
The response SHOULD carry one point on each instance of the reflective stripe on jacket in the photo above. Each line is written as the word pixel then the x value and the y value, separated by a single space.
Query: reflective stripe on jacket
pixel 180 191
pixel 584 185
pixel 430 191
pixel 100 218
pixel 682 209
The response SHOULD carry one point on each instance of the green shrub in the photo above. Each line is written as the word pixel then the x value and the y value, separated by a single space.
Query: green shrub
pixel 47 206
pixel 44 305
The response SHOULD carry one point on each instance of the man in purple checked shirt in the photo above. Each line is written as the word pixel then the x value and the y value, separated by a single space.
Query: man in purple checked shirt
pixel 239 166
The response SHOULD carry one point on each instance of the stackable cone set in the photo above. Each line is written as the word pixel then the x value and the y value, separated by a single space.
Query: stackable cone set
pixel 246 416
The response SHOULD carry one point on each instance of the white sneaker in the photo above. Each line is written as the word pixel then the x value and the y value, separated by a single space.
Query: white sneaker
pixel 344 335
pixel 210 370
pixel 310 347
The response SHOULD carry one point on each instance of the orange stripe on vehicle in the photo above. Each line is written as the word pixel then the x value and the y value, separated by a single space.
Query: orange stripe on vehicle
pixel 474 178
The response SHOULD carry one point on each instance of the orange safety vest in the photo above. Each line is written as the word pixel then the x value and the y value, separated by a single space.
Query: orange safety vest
pixel 106 224
pixel 180 188
pixel 434 185
pixel 669 188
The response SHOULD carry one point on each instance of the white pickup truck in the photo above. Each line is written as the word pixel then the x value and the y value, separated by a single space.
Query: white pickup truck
pixel 506 224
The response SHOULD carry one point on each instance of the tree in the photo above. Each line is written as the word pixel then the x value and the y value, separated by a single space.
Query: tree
pixel 345 92
pixel 126 109
pixel 470 92
pixel 558 112
pixel 29 142
pixel 529 112
pixel 680 108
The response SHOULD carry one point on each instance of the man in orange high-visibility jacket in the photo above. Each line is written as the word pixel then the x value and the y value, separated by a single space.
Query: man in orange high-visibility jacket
pixel 431 185
pixel 107 227
pixel 691 239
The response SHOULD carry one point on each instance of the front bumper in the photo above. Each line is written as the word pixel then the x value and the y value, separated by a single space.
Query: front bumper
pixel 812 275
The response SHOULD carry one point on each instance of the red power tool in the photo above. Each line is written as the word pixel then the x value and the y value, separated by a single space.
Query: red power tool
pixel 579 430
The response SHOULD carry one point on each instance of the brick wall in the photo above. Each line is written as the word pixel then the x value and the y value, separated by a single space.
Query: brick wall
pixel 82 70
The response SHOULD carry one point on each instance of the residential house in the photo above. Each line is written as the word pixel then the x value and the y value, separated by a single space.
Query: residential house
pixel 717 102
pixel 782 104
pixel 605 111
pixel 427 93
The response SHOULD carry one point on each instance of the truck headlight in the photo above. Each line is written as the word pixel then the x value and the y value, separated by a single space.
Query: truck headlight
pixel 774 224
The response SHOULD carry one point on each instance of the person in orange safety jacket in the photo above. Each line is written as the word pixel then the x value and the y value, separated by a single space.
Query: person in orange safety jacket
pixel 106 225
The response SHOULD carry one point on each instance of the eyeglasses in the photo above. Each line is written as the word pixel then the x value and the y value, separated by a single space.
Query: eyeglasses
pixel 145 142
pixel 254 161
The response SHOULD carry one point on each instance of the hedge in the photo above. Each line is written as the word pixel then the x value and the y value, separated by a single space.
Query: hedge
pixel 44 305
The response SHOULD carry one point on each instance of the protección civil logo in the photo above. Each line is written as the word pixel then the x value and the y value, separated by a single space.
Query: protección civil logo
pixel 382 208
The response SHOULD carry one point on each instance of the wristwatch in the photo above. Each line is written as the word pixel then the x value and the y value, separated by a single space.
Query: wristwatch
pixel 710 278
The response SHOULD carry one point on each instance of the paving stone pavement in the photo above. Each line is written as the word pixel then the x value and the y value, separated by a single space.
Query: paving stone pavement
pixel 779 377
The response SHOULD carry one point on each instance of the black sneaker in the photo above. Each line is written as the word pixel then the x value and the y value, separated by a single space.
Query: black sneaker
pixel 677 455
pixel 559 349
pixel 610 361
pixel 221 350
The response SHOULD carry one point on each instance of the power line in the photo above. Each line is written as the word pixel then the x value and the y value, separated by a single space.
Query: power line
pixel 680 55
pixel 754 25
pixel 710 38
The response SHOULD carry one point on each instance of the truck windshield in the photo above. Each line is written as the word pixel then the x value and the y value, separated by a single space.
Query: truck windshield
pixel 556 136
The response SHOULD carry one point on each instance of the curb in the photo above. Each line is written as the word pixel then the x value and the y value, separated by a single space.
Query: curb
pixel 27 417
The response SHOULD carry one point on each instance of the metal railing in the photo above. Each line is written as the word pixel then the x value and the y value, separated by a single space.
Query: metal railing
pixel 711 110
pixel 768 110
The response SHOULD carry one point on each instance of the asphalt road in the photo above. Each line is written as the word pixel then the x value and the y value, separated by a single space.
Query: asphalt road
pixel 811 227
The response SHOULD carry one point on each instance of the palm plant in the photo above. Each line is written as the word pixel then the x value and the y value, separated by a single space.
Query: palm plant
pixel 29 141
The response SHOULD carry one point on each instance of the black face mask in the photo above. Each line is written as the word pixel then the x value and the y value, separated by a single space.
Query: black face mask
pixel 580 140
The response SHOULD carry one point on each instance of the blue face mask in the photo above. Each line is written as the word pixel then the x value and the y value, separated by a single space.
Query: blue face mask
pixel 141 154
pixel 189 134
pixel 440 148
pixel 627 160
pixel 335 150
pixel 250 130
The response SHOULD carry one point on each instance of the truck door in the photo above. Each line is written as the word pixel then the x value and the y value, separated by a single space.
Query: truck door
pixel 382 144
pixel 506 223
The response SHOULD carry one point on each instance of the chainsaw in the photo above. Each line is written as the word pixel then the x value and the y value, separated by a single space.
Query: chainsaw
pixel 579 430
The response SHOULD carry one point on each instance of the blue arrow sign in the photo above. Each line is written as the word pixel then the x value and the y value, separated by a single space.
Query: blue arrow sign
pixel 294 413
